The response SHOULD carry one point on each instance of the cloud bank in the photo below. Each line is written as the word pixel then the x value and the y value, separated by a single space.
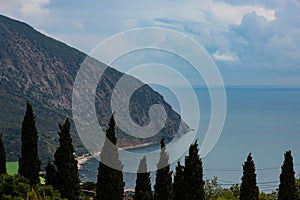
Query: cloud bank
pixel 245 38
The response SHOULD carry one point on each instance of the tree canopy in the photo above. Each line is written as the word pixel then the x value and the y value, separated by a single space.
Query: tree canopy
pixel 193 174
pixel 67 180
pixel 110 184
pixel 143 182
pixel 249 189
pixel 287 186
pixel 163 182
pixel 29 163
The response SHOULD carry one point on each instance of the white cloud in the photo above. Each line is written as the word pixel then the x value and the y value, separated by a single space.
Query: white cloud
pixel 225 56
pixel 25 9
pixel 233 14
pixel 78 25
pixel 266 44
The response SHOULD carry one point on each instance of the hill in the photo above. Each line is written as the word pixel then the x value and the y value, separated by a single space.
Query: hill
pixel 42 70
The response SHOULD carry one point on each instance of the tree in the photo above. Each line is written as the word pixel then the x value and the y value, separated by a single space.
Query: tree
pixel 298 186
pixel 270 196
pixel 213 189
pixel 13 186
pixel 287 186
pixel 2 156
pixel 235 190
pixel 163 182
pixel 46 192
pixel 110 184
pixel 32 195
pixel 193 174
pixel 249 189
pixel 67 177
pixel 143 183
pixel 29 163
pixel 179 184
pixel 17 187
pixel 50 177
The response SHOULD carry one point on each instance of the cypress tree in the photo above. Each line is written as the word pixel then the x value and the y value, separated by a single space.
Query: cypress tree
pixel 110 184
pixel 50 177
pixel 179 184
pixel 143 183
pixel 163 182
pixel 29 163
pixel 67 177
pixel 2 156
pixel 249 189
pixel 287 186
pixel 193 174
pixel 298 187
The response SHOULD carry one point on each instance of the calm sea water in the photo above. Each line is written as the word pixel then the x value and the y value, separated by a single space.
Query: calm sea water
pixel 263 121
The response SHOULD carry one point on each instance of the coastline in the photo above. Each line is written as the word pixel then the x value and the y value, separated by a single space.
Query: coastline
pixel 85 157
pixel 137 146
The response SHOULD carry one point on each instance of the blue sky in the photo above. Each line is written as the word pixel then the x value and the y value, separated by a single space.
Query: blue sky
pixel 252 42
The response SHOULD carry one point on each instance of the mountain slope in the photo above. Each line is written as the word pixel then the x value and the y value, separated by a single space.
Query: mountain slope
pixel 39 69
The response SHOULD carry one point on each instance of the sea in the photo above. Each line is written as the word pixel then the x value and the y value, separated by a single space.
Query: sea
pixel 263 121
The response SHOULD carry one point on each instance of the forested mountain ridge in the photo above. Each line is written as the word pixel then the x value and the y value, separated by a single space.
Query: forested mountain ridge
pixel 42 70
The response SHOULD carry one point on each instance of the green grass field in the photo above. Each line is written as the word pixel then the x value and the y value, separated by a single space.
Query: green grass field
pixel 12 168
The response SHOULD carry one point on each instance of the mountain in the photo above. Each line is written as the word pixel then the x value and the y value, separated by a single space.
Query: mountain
pixel 42 70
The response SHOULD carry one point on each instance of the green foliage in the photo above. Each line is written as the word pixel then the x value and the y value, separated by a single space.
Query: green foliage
pixel 13 186
pixel 109 179
pixel 298 186
pixel 29 163
pixel 163 182
pixel 18 187
pixel 32 195
pixel 214 191
pixel 143 183
pixel 193 174
pixel 235 190
pixel 67 180
pixel 249 189
pixel 179 184
pixel 270 196
pixel 2 157
pixel 227 195
pixel 287 186
pixel 47 192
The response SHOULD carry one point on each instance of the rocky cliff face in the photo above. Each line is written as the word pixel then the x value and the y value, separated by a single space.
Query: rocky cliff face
pixel 36 68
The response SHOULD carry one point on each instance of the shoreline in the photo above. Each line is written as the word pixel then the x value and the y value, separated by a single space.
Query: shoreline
pixel 138 146
pixel 85 157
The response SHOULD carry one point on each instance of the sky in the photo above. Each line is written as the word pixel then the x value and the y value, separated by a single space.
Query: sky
pixel 253 43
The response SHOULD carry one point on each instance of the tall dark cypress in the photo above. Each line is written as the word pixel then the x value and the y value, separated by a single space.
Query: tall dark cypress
pixel 110 184
pixel 287 186
pixel 163 182
pixel 143 183
pixel 67 177
pixel 249 189
pixel 193 174
pixel 2 156
pixel 50 177
pixel 179 186
pixel 29 163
